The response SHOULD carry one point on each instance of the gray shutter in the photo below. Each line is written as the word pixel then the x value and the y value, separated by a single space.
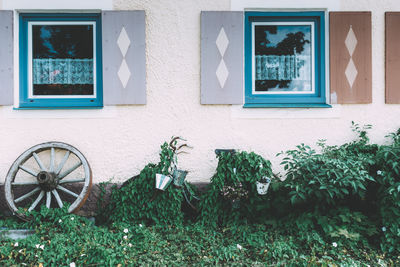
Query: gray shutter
pixel 221 57
pixel 124 59
pixel 6 57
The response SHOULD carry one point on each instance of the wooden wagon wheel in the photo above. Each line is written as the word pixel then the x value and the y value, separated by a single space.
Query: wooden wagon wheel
pixel 44 172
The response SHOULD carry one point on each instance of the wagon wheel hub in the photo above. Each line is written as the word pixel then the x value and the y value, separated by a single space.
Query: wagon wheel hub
pixel 47 180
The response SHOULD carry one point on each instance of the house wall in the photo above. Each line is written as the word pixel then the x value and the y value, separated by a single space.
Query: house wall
pixel 119 141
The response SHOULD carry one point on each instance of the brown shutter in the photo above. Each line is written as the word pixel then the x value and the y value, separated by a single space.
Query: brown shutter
pixel 350 57
pixel 392 58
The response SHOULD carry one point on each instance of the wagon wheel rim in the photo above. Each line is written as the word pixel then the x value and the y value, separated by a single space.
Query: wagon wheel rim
pixel 48 180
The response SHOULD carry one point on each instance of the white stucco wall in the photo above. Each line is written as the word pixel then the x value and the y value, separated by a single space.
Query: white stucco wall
pixel 119 141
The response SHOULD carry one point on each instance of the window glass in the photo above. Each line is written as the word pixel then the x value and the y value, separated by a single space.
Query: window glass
pixel 62 57
pixel 283 58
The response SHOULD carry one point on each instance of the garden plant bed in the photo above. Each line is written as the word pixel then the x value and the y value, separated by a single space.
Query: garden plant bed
pixel 339 205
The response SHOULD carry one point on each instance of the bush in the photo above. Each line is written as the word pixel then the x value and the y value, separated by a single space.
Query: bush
pixel 232 196
pixel 138 201
pixel 329 177
pixel 388 194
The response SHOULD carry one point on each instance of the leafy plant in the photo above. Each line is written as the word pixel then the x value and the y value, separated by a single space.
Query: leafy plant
pixel 388 194
pixel 232 196
pixel 138 201
pixel 335 174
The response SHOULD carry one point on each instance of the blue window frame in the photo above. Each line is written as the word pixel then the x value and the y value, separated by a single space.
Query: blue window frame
pixel 60 60
pixel 285 59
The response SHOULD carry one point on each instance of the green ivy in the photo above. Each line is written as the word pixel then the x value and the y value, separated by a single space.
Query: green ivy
pixel 238 171
pixel 138 201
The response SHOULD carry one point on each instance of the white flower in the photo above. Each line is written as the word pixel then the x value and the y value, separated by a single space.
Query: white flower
pixel 37 245
pixel 379 172
pixel 125 237
pixel 383 229
pixel 239 246
pixel 126 230
pixel 130 245
pixel 42 246
pixel 36 256
pixel 20 251
pixel 72 264
pixel 140 225
pixel 72 218
pixel 60 221
pixel 334 244
pixel 83 255
pixel 234 170
pixel 124 249
pixel 16 244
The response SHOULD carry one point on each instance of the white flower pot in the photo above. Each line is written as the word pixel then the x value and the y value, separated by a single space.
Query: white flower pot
pixel 162 181
pixel 262 188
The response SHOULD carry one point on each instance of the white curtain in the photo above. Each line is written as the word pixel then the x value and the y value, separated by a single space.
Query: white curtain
pixel 62 71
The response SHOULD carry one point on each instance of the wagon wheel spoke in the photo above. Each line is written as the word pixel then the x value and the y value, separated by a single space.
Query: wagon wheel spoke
pixel 39 162
pixel 58 199
pixel 67 191
pixel 52 159
pixel 73 168
pixel 24 183
pixel 61 165
pixel 72 181
pixel 49 182
pixel 27 170
pixel 31 193
pixel 48 199
pixel 36 202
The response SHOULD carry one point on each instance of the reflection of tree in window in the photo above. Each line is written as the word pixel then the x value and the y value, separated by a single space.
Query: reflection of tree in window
pixel 280 58
pixel 62 59
pixel 62 41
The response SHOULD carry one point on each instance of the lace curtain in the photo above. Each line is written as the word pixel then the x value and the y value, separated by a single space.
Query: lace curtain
pixel 62 71
pixel 286 67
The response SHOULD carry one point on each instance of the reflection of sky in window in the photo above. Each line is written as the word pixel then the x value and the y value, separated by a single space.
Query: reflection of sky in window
pixel 282 31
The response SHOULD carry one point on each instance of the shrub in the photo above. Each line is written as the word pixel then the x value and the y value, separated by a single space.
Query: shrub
pixel 335 174
pixel 138 201
pixel 388 178
pixel 232 196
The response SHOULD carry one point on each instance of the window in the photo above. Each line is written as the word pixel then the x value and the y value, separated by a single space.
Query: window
pixel 60 60
pixel 285 59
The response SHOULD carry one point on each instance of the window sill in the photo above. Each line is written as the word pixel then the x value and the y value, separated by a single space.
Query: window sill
pixel 11 112
pixel 47 108
pixel 239 112
pixel 279 105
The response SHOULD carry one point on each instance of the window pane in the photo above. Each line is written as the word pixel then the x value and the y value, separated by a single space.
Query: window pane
pixel 283 58
pixel 62 58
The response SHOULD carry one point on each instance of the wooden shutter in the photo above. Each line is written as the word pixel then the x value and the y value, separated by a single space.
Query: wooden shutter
pixel 6 57
pixel 221 57
pixel 350 57
pixel 124 59
pixel 392 58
